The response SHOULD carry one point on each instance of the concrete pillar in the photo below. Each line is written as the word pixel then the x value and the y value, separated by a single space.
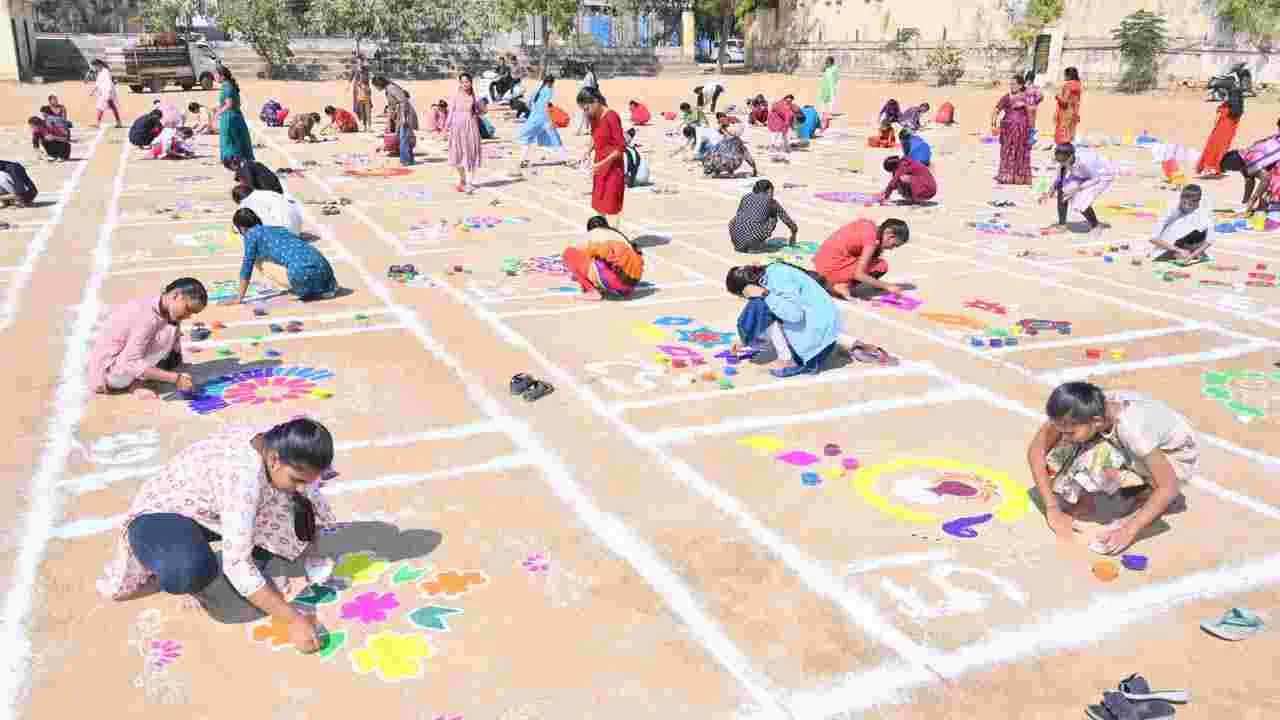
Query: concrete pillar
pixel 1053 75
pixel 688 35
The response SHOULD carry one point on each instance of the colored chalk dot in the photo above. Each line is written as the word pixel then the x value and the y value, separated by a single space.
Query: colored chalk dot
pixel 850 463
pixel 731 371
pixel 810 478
pixel 831 449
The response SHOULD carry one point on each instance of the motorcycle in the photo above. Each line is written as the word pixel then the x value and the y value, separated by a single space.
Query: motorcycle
pixel 1237 77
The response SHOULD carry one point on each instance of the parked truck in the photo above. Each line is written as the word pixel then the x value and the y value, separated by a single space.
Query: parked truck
pixel 150 65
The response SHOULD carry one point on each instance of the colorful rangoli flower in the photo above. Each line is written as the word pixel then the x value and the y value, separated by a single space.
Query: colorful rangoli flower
pixel 361 568
pixel 370 607
pixel 536 563
pixel 705 336
pixel 162 653
pixel 393 656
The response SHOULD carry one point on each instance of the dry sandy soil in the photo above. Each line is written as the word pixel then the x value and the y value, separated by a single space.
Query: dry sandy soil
pixel 632 546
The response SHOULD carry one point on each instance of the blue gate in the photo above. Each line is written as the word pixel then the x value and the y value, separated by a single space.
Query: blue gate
pixel 600 26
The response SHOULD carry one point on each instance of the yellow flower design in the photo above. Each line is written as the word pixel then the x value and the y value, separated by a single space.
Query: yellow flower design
pixel 393 656
pixel 361 568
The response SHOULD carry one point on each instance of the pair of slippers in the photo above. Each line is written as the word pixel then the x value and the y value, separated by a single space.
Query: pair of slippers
pixel 530 388
pixel 872 354
pixel 402 270
pixel 1235 624
pixel 1136 701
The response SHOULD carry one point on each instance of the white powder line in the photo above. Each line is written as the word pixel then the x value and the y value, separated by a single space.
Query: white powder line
pixel 140 258
pixel 323 317
pixel 677 435
pixel 186 221
pixel 39 242
pixel 656 286
pixel 93 482
pixel 45 506
pixel 896 561
pixel 832 376
pixel 287 336
pixel 1220 248
pixel 1081 372
pixel 96 525
pixel 186 267
pixel 1105 615
pixel 506 462
pixel 640 303
pixel 1120 337
pixel 615 534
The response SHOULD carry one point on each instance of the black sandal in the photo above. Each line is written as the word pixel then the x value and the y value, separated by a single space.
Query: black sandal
pixel 520 383
pixel 538 389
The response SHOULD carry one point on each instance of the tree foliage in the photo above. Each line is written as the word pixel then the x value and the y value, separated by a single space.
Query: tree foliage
pixel 1142 38
pixel 266 25
pixel 167 15
pixel 947 62
pixel 402 25
pixel 1038 15
pixel 1260 18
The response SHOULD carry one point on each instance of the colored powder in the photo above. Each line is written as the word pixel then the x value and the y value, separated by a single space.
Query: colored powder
pixel 1105 570
pixel 963 527
pixel 850 463
pixel 810 479
pixel 1137 563
pixel 953 487
pixel 831 450
pixel 798 457
pixel 763 443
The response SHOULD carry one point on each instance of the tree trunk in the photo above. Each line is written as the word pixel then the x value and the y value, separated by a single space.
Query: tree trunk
pixel 726 26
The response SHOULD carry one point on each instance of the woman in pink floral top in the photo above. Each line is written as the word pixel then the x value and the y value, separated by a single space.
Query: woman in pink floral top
pixel 140 342
pixel 256 491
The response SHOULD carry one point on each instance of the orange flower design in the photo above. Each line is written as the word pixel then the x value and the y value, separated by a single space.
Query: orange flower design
pixel 452 583
pixel 273 631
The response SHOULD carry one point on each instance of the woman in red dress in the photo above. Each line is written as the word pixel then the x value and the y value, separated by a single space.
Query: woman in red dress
pixel 608 171
pixel 1224 133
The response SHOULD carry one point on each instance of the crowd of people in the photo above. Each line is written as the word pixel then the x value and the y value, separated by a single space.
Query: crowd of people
pixel 250 479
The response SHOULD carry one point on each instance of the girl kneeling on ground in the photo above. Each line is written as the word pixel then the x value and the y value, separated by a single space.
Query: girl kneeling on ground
pixel 140 341
pixel 306 272
pixel 790 308
pixel 256 492
pixel 610 264
pixel 1113 443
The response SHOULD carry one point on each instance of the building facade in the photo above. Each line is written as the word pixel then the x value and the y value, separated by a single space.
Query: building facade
pixel 17 40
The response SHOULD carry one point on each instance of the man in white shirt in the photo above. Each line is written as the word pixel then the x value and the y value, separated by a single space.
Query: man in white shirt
pixel 1186 230
pixel 272 208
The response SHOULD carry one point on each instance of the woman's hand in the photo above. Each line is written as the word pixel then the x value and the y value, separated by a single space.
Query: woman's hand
pixel 185 383
pixel 1119 538
pixel 303 634
pixel 1060 523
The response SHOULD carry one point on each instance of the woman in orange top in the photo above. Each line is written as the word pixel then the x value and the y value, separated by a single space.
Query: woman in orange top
pixel 609 264
pixel 608 170
pixel 341 120
pixel 1067 117
pixel 1224 132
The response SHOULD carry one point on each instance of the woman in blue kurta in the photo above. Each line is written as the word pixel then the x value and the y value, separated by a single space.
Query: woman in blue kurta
pixel 790 308
pixel 809 122
pixel 233 133
pixel 310 275
pixel 538 128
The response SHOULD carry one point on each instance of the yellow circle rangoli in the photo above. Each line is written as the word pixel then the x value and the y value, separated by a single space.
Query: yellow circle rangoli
pixel 1013 497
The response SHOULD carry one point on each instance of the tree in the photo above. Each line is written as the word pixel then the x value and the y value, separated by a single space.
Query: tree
pixel 400 23
pixel 947 62
pixel 266 25
pixel 904 69
pixel 1038 15
pixel 557 16
pixel 167 15
pixel 1260 18
pixel 1142 37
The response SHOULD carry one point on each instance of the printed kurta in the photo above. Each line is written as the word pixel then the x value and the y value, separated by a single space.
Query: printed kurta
pixel 221 484
pixel 131 333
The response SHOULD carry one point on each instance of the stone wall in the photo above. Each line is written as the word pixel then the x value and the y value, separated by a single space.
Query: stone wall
pixel 63 56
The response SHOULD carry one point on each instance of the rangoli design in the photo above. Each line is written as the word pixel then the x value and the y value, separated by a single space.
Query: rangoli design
pixel 379 633
pixel 258 386
pixel 850 198
pixel 1248 395
pixel 957 479
pixel 705 337
pixel 224 290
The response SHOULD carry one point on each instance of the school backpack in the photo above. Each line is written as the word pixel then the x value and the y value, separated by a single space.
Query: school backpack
pixel 1262 155
pixel 559 118
pixel 946 114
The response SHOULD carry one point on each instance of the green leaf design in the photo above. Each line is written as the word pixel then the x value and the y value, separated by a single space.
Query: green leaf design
pixel 317 595
pixel 407 573
pixel 333 642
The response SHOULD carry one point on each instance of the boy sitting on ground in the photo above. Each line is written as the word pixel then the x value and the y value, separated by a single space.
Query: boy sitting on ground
pixel 1185 233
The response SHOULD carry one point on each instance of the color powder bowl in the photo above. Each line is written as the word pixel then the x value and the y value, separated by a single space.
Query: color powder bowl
pixel 1137 563
pixel 1105 570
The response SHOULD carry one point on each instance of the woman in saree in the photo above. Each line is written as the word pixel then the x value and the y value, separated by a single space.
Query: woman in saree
pixel 1014 130
pixel 1067 117
pixel 233 133
pixel 1224 133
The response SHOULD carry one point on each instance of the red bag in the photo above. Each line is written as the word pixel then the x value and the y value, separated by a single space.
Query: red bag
pixel 281 115
pixel 391 143
pixel 946 114
pixel 559 118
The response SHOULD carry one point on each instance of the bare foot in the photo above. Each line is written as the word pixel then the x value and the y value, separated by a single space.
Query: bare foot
pixel 142 392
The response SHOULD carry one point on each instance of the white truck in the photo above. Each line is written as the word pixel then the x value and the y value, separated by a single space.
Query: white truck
pixel 151 66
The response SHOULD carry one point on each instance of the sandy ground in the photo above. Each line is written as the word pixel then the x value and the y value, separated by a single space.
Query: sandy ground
pixel 632 546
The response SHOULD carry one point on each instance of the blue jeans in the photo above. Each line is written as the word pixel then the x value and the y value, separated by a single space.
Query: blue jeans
pixel 176 548
pixel 406 145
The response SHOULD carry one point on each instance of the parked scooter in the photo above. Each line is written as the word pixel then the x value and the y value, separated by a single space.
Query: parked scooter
pixel 1237 77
